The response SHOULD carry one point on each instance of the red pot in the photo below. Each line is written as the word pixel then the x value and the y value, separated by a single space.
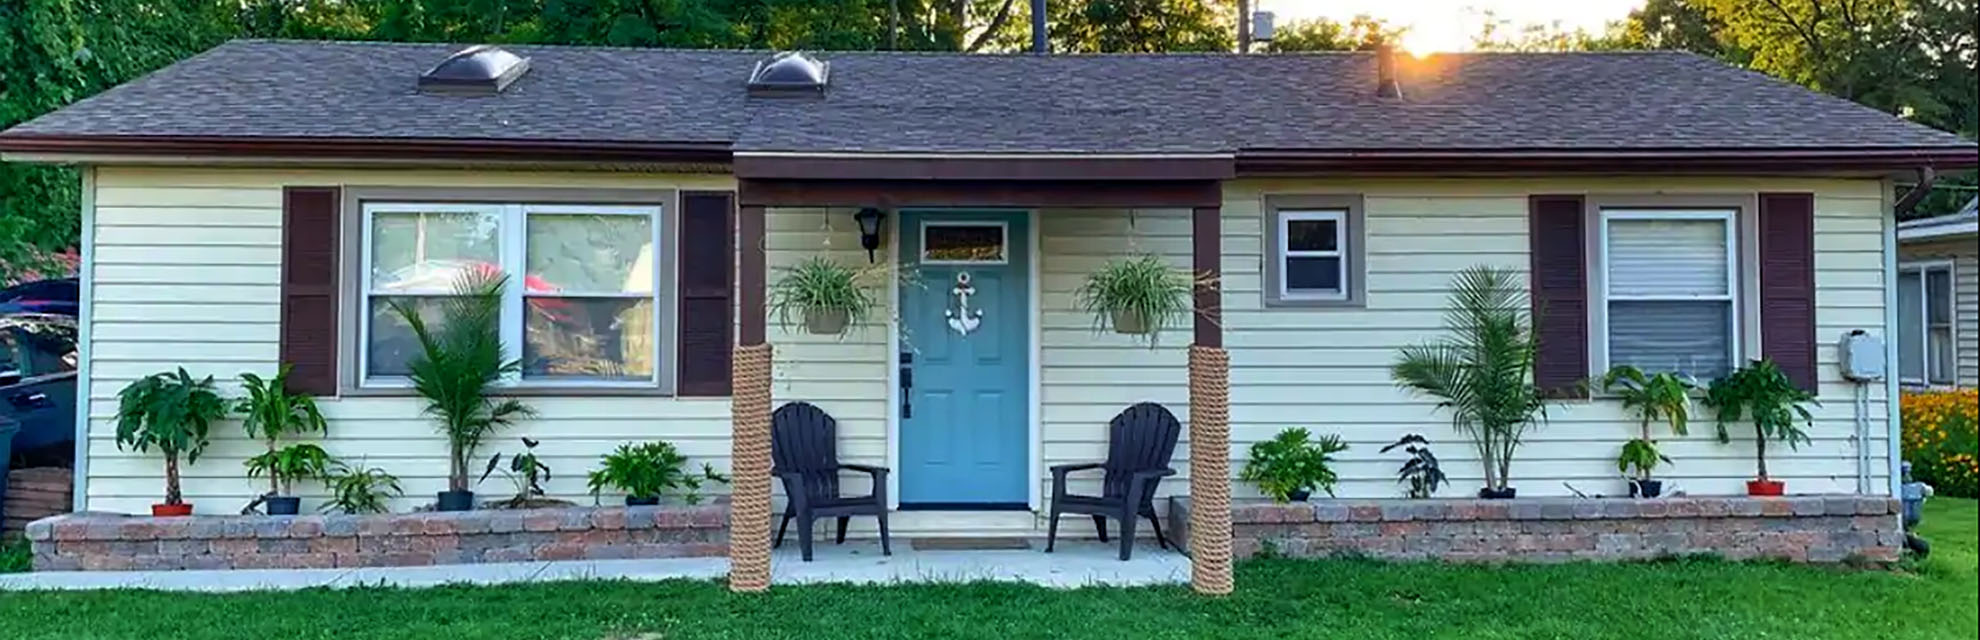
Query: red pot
pixel 1765 487
pixel 170 510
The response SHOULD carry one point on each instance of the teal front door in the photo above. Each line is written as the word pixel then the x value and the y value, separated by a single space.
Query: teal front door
pixel 965 333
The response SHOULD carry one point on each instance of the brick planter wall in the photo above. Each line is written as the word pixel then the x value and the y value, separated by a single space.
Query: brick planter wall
pixel 113 542
pixel 1801 529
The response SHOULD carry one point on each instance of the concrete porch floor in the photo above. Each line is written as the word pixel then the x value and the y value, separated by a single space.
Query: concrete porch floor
pixel 1075 563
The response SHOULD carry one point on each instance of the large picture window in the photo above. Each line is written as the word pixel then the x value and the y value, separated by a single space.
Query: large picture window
pixel 1925 323
pixel 1670 290
pixel 583 302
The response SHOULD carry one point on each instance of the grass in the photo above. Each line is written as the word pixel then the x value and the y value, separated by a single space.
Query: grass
pixel 15 555
pixel 1935 598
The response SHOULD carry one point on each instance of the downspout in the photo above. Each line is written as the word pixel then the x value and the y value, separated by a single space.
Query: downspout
pixel 1926 178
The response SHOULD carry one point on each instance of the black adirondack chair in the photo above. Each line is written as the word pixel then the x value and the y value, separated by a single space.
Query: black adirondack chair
pixel 1139 443
pixel 804 448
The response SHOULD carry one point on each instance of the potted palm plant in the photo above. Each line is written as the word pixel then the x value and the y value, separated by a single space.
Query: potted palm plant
pixel 269 412
pixel 1762 394
pixel 1483 372
pixel 1136 296
pixel 172 412
pixel 1663 397
pixel 647 470
pixel 1291 465
pixel 456 371
pixel 824 295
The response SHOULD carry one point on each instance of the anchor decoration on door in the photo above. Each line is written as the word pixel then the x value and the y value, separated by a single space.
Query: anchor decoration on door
pixel 963 319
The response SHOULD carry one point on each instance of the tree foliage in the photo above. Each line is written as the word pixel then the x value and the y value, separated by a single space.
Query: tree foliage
pixel 1362 33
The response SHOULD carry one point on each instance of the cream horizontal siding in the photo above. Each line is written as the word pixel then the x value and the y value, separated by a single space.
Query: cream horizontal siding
pixel 1327 369
pixel 1964 252
pixel 187 273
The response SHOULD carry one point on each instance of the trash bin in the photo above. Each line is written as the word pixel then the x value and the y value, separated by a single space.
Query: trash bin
pixel 8 427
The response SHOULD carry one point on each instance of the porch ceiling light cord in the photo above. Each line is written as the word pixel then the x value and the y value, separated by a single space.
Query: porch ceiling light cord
pixel 749 509
pixel 1209 470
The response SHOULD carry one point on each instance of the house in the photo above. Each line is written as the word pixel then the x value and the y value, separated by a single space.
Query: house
pixel 1938 298
pixel 261 202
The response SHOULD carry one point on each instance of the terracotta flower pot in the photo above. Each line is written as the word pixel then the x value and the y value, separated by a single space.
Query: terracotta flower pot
pixel 825 322
pixel 1765 487
pixel 171 510
pixel 1130 322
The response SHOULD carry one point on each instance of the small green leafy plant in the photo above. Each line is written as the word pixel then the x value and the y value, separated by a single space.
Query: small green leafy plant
pixel 173 413
pixel 459 365
pixel 648 470
pixel 525 470
pixel 269 412
pixel 1292 462
pixel 355 491
pixel 1762 394
pixel 823 295
pixel 1663 397
pixel 1421 474
pixel 1139 295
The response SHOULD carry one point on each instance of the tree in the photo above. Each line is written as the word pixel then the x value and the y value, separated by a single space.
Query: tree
pixel 1362 33
pixel 1143 26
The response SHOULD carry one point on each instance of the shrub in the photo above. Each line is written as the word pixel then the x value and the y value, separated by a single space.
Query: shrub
pixel 1292 462
pixel 1940 440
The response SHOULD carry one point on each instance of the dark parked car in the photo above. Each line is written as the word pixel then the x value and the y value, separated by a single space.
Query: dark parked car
pixel 38 386
pixel 58 296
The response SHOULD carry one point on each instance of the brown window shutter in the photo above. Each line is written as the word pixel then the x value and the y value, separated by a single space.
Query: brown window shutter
pixel 309 287
pixel 707 286
pixel 1787 284
pixel 1556 224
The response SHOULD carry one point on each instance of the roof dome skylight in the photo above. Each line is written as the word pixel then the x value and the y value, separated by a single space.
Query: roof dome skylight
pixel 477 70
pixel 790 72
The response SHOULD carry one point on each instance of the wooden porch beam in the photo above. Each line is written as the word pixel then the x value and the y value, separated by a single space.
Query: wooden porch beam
pixel 889 194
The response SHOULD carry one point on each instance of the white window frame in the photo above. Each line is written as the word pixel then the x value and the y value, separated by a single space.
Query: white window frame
pixel 512 237
pixel 1003 241
pixel 1924 269
pixel 1729 217
pixel 1286 253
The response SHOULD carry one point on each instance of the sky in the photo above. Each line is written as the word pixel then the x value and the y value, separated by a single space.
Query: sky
pixel 1448 25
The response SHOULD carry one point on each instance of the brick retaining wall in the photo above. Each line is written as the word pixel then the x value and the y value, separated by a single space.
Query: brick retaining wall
pixel 1801 529
pixel 112 542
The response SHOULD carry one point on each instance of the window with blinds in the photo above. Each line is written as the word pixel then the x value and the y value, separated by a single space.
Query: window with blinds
pixel 1925 323
pixel 1670 288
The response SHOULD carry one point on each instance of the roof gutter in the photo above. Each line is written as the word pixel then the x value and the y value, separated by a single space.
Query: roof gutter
pixel 469 150
pixel 1502 161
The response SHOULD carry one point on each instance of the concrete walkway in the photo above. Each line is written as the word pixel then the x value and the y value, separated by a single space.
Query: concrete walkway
pixel 1074 564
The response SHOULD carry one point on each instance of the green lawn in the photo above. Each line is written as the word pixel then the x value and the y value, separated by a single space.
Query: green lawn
pixel 1937 598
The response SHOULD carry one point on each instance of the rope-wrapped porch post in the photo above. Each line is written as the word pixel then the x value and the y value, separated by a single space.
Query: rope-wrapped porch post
pixel 749 444
pixel 1209 415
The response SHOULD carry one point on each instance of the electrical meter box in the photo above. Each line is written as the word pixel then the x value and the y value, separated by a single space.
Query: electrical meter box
pixel 1862 356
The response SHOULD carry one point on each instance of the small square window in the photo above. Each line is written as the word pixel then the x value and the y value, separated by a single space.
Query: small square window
pixel 1313 252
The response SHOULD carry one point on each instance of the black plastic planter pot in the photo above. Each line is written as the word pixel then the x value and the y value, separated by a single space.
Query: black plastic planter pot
pixel 1489 493
pixel 1646 488
pixel 1299 496
pixel 455 501
pixel 642 502
pixel 283 505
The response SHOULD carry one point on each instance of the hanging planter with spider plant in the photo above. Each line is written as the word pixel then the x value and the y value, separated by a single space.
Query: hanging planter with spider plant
pixel 824 295
pixel 1136 296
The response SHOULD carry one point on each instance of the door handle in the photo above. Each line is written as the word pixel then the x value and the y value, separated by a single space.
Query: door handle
pixel 34 400
pixel 907 386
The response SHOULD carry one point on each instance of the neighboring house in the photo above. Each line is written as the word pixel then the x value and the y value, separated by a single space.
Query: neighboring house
pixel 261 202
pixel 1938 297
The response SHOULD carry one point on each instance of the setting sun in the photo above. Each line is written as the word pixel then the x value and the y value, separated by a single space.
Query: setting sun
pixel 1452 25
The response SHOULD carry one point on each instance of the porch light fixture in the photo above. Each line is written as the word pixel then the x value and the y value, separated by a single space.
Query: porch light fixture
pixel 869 230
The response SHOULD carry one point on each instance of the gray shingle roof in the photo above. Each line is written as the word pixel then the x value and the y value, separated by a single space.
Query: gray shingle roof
pixel 907 102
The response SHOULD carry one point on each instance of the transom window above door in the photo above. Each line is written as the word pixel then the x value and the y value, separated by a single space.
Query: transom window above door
pixel 961 242
pixel 583 306
pixel 1670 286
